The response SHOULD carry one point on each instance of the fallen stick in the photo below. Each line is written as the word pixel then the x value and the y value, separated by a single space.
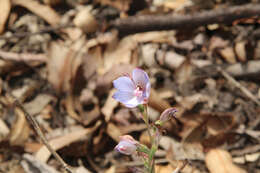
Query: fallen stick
pixel 22 57
pixel 249 70
pixel 39 132
pixel 145 23
pixel 238 85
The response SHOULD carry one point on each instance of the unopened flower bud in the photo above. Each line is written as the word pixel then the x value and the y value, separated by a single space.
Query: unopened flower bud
pixel 127 145
pixel 167 114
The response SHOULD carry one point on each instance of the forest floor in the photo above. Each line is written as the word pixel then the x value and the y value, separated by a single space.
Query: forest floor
pixel 58 59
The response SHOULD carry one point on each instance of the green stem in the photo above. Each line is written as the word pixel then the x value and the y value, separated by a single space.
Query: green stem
pixel 146 120
pixel 153 146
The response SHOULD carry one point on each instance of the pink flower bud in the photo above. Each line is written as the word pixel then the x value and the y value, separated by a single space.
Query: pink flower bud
pixel 127 145
pixel 167 114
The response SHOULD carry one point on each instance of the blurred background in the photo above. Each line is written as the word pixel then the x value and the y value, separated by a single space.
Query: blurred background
pixel 59 58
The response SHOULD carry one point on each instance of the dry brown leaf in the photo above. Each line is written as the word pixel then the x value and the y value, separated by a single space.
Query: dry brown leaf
pixel 113 131
pixel 182 166
pixel 148 54
pixel 145 139
pixel 184 72
pixel 189 102
pixel 73 33
pixel 38 104
pixel 112 169
pixel 220 123
pixel 193 151
pixel 20 129
pixel 98 139
pixel 11 166
pixel 192 146
pixel 240 49
pixel 219 139
pixel 31 164
pixel 57 66
pixel 122 5
pixel 177 4
pixel 228 54
pixel 164 169
pixel 69 104
pixel 173 148
pixel 156 102
pixel 81 169
pixel 43 153
pixel 257 50
pixel 166 93
pixel 32 147
pixel 214 122
pixel 92 61
pixel 85 20
pixel 63 64
pixel 90 116
pixel 173 60
pixel 109 106
pixel 86 97
pixel 217 42
pixel 122 116
pixel 252 157
pixel 132 128
pixel 220 161
pixel 5 8
pixel 4 130
pixel 119 52
pixel 102 39
pixel 45 12
pixel 208 129
pixel 52 2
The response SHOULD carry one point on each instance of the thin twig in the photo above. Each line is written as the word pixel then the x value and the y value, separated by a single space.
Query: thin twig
pixel 39 132
pixel 238 85
pixel 168 22
pixel 248 70
pixel 24 57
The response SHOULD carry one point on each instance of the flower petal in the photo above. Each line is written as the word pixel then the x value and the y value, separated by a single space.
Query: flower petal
pixel 126 147
pixel 127 98
pixel 135 101
pixel 140 77
pixel 124 84
pixel 147 90
pixel 128 138
pixel 123 96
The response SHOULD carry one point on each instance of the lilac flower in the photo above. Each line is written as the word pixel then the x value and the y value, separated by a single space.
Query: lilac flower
pixel 132 90
pixel 127 145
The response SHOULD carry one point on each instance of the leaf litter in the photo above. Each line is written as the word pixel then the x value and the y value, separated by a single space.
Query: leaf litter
pixel 63 76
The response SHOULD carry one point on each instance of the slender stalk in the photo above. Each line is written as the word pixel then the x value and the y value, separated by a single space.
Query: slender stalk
pixel 153 146
pixel 146 120
pixel 39 132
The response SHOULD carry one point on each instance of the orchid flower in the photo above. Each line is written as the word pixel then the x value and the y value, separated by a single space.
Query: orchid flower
pixel 127 145
pixel 132 90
